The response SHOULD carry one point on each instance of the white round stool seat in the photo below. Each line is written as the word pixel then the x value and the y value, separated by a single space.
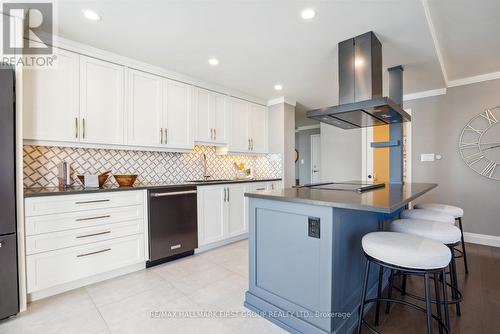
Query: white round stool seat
pixel 451 210
pixel 406 250
pixel 422 214
pixel 447 234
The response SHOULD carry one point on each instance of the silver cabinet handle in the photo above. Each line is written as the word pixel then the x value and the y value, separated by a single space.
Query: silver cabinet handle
pixel 251 140
pixel 95 201
pixel 215 134
pixel 260 189
pixel 93 253
pixel 211 133
pixel 92 235
pixel 225 194
pixel 174 193
pixel 249 147
pixel 76 127
pixel 92 218
pixel 228 193
pixel 83 129
pixel 161 136
pixel 166 136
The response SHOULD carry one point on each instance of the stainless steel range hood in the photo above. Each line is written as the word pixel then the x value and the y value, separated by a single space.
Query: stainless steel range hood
pixel 360 88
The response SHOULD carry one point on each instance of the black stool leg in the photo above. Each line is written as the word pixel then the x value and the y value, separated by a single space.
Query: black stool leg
pixel 379 295
pixel 389 293
pixel 464 253
pixel 403 285
pixel 454 280
pixel 445 301
pixel 437 292
pixel 428 306
pixel 363 296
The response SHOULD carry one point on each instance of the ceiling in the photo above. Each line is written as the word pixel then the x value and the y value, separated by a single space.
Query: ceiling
pixel 260 43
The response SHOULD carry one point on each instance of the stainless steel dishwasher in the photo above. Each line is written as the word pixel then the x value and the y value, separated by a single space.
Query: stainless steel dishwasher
pixel 173 225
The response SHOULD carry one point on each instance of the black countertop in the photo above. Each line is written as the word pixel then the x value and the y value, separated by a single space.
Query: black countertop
pixel 52 191
pixel 383 200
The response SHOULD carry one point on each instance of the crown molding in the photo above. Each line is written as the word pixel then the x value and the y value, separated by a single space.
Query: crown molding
pixel 474 79
pixel 423 94
pixel 282 99
pixel 307 127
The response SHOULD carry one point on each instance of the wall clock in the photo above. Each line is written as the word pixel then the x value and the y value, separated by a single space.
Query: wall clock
pixel 480 143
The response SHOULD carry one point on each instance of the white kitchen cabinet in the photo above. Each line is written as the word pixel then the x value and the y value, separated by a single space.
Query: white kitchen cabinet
pixel 177 115
pixel 236 210
pixel 211 214
pixel 211 117
pixel 145 109
pixel 240 140
pixel 101 101
pixel 257 116
pixel 51 107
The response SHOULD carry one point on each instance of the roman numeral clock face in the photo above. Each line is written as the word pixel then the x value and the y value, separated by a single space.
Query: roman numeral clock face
pixel 480 143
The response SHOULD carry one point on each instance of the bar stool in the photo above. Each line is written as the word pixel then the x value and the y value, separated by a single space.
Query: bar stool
pixel 457 213
pixel 424 214
pixel 410 254
pixel 447 234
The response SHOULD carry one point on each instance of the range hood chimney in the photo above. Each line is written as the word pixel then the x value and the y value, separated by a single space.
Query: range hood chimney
pixel 360 88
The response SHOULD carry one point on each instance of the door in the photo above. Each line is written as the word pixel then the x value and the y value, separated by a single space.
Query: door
pixel 205 117
pixel 101 101
pixel 258 128
pixel 315 158
pixel 177 115
pixel 211 206
pixel 240 140
pixel 236 213
pixel 144 109
pixel 221 118
pixel 51 103
pixel 9 303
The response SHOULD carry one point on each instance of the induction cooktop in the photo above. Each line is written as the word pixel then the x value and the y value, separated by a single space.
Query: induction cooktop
pixel 357 186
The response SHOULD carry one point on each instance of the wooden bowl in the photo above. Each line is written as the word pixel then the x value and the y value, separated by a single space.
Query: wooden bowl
pixel 125 180
pixel 102 179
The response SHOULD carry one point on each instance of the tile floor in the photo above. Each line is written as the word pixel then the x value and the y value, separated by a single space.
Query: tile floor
pixel 216 281
pixel 211 281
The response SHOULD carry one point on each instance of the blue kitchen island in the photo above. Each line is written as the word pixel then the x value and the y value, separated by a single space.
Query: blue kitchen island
pixel 306 260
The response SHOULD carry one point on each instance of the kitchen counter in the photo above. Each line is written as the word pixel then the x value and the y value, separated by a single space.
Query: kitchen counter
pixel 52 191
pixel 306 259
pixel 383 200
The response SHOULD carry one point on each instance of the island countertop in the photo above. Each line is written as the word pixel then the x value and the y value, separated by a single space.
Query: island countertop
pixel 384 200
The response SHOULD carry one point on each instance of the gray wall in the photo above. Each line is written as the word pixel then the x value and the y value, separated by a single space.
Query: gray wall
pixel 436 125
pixel 303 145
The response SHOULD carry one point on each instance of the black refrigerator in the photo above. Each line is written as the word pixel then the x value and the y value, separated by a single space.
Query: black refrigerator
pixel 9 296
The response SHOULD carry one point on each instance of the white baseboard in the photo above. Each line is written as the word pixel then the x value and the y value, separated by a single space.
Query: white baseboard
pixel 482 239
pixel 217 244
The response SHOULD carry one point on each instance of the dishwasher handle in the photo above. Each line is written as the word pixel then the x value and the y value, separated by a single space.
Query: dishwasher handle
pixel 174 193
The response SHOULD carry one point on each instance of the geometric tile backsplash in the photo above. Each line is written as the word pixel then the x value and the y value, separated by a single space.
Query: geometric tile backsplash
pixel 41 164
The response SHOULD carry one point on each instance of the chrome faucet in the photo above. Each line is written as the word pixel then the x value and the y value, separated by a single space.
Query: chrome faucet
pixel 204 161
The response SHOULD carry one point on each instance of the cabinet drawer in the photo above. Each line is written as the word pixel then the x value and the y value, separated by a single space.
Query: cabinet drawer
pixel 82 236
pixel 36 206
pixel 79 219
pixel 49 269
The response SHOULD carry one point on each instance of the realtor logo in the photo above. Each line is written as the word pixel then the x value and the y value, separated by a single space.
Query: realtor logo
pixel 35 38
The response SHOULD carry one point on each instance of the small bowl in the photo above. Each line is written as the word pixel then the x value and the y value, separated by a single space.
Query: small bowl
pixel 102 179
pixel 125 180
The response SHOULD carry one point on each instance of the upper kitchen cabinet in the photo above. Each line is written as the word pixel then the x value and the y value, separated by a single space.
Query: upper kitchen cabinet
pixel 211 117
pixel 248 127
pixel 257 116
pixel 177 115
pixel 145 109
pixel 51 110
pixel 101 101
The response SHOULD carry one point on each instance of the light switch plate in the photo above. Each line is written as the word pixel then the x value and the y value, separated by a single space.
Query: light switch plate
pixel 427 157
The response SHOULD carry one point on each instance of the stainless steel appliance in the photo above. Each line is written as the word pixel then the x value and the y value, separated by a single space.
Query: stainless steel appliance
pixel 9 295
pixel 173 224
pixel 357 186
pixel 360 88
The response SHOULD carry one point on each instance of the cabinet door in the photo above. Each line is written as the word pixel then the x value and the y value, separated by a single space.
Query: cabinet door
pixel 236 214
pixel 221 118
pixel 258 128
pixel 239 140
pixel 205 117
pixel 101 101
pixel 177 115
pixel 50 103
pixel 144 109
pixel 211 206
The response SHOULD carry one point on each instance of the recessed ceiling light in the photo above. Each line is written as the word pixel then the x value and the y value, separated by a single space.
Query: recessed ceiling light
pixel 213 61
pixel 308 13
pixel 278 87
pixel 91 15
